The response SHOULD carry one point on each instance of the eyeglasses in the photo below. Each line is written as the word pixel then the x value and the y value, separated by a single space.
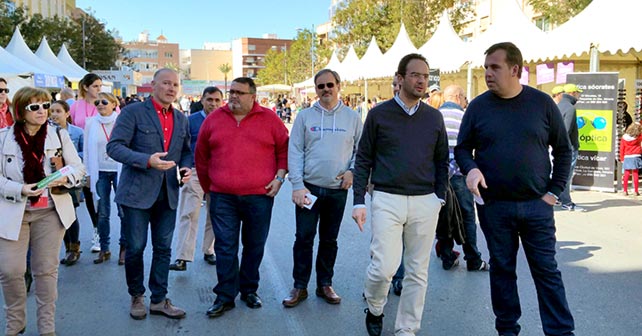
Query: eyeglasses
pixel 5 90
pixel 240 93
pixel 104 102
pixel 36 107
pixel 417 75
pixel 323 86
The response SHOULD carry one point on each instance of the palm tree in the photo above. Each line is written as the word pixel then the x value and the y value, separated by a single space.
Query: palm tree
pixel 225 68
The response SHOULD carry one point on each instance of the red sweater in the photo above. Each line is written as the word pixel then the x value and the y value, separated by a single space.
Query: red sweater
pixel 240 158
pixel 630 147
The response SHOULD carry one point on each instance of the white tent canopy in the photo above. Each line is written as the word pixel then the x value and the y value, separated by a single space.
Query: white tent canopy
pixel 445 50
pixel 370 61
pixel 44 53
pixel 611 27
pixel 510 24
pixel 400 48
pixel 11 65
pixel 348 69
pixel 19 48
pixel 64 57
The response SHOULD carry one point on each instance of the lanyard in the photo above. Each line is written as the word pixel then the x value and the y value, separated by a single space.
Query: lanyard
pixel 39 158
pixel 107 136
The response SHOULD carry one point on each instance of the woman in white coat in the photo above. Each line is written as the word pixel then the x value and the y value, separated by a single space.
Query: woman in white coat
pixel 33 217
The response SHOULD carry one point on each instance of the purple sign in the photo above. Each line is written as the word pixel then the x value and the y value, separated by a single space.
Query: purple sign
pixel 524 79
pixel 563 69
pixel 545 73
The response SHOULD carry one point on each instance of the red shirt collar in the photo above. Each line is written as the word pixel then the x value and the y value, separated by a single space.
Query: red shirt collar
pixel 159 107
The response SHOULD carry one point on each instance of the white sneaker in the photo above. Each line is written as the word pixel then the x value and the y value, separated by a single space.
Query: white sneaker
pixel 95 242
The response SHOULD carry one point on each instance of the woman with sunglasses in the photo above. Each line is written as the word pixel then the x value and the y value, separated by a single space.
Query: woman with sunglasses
pixel 59 115
pixel 33 217
pixel 5 112
pixel 103 170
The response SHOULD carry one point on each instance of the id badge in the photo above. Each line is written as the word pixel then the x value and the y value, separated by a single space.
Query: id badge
pixel 43 200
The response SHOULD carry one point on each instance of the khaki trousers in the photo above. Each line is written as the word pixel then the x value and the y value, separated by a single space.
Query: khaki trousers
pixel 44 231
pixel 400 221
pixel 189 210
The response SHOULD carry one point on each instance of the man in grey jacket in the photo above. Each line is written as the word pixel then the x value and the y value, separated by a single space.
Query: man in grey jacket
pixel 321 153
pixel 566 105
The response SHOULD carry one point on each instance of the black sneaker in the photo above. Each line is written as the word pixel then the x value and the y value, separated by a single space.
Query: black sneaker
pixel 477 266
pixel 374 324
pixel 449 261
pixel 178 265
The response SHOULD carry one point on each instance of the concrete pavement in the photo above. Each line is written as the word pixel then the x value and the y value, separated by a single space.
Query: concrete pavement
pixel 600 256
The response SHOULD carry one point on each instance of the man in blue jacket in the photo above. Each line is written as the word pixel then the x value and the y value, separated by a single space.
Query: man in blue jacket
pixel 151 140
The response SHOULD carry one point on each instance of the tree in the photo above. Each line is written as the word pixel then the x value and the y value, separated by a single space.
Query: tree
pixel 101 49
pixel 559 11
pixel 358 20
pixel 274 71
pixel 225 69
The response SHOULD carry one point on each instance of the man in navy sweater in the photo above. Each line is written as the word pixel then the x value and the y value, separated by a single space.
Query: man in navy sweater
pixel 189 208
pixel 510 128
pixel 404 151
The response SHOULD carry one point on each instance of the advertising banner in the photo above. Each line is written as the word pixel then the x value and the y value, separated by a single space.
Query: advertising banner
pixel 545 73
pixel 595 167
pixel 563 69
pixel 525 74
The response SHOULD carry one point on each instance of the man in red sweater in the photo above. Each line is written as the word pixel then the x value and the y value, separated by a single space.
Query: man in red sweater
pixel 241 160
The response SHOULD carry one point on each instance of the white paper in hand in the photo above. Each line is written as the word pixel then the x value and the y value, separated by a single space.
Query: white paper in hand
pixel 312 199
pixel 478 199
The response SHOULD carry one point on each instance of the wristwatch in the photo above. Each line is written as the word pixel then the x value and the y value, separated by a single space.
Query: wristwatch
pixel 279 178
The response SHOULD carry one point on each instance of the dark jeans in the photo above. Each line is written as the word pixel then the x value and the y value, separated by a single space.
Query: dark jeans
pixel 227 212
pixel 89 203
pixel 328 213
pixel 73 232
pixel 504 223
pixel 106 181
pixel 135 223
pixel 466 204
pixel 565 196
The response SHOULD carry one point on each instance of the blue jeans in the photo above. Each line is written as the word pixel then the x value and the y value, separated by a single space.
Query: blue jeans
pixel 227 212
pixel 565 196
pixel 328 213
pixel 504 223
pixel 160 219
pixel 465 199
pixel 106 181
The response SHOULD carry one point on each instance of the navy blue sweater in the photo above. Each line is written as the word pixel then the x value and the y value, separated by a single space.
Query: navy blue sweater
pixel 510 139
pixel 406 155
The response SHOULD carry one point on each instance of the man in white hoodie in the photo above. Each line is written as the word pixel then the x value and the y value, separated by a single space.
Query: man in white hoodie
pixel 321 153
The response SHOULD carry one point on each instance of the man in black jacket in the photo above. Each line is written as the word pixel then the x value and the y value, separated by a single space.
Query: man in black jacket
pixel 569 114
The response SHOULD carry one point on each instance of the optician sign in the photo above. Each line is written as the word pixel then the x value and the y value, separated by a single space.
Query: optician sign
pixel 595 168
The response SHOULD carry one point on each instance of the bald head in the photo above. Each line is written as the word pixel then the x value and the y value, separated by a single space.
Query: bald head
pixel 455 93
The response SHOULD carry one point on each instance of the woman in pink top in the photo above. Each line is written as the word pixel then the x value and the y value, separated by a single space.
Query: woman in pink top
pixel 83 108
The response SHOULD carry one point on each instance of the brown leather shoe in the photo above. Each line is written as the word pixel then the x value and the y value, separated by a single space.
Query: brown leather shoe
pixel 166 308
pixel 102 256
pixel 328 294
pixel 138 311
pixel 296 296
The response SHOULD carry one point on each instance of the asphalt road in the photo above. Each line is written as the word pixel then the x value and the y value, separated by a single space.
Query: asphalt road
pixel 599 255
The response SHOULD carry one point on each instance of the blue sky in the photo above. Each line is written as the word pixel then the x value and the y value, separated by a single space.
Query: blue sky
pixel 192 22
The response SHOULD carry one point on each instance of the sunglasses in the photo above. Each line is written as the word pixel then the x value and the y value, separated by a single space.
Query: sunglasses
pixel 240 93
pixel 36 107
pixel 323 86
pixel 104 102
pixel 5 90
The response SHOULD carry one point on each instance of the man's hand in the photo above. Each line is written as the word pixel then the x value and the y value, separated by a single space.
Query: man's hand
pixel 187 174
pixel 29 190
pixel 473 180
pixel 156 162
pixel 549 199
pixel 273 187
pixel 298 197
pixel 347 177
pixel 359 216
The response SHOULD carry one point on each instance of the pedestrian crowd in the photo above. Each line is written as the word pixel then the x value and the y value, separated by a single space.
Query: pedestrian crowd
pixel 428 169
